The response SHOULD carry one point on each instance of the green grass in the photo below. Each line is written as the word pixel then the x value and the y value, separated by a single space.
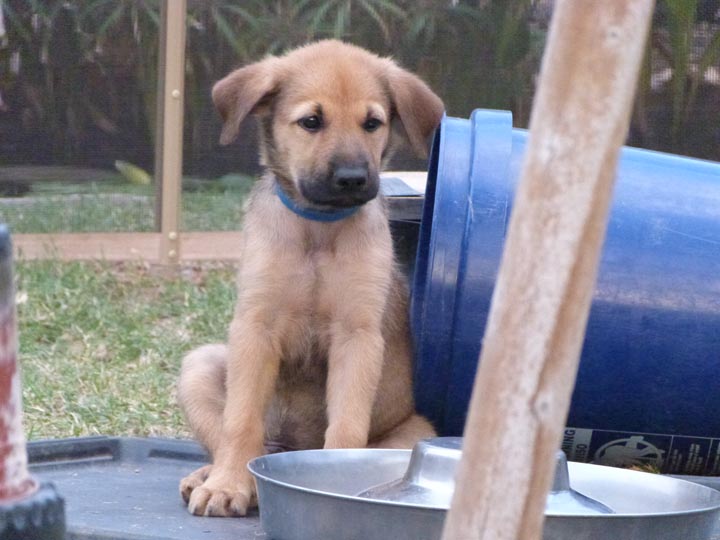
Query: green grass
pixel 101 343
pixel 82 213
pixel 212 211
pixel 112 206
pixel 118 213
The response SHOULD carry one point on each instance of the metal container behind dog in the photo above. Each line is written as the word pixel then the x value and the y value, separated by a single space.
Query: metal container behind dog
pixel 647 390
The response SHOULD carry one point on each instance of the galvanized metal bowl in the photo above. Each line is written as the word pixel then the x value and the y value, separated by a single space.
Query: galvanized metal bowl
pixel 385 494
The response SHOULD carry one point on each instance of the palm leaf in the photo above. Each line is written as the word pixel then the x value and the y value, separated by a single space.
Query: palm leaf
pixel 681 21
pixel 111 19
pixel 315 22
pixel 390 7
pixel 417 25
pixel 232 38
pixel 88 10
pixel 151 10
pixel 16 23
pixel 710 57
pixel 245 15
pixel 341 19
pixel 370 10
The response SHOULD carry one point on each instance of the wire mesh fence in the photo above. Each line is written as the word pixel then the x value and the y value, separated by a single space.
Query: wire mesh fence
pixel 77 85
pixel 79 92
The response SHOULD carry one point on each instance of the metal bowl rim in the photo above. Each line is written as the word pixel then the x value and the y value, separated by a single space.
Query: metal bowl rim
pixel 352 498
pixel 707 509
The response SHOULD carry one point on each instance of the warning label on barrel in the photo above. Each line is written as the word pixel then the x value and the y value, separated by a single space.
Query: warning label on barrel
pixel 671 454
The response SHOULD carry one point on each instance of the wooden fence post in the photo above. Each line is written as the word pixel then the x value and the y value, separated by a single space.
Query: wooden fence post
pixel 169 131
pixel 542 296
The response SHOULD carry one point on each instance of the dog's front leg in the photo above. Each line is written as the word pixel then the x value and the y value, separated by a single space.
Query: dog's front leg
pixel 253 363
pixel 354 369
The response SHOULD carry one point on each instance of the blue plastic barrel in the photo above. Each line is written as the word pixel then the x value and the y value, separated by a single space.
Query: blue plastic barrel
pixel 648 387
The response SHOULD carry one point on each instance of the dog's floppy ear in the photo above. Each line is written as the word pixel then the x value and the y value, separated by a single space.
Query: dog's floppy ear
pixel 240 92
pixel 417 107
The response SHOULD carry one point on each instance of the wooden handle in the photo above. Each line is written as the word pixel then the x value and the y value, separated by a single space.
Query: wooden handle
pixel 15 480
pixel 542 296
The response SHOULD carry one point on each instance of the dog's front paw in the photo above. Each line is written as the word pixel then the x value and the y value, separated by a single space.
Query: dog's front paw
pixel 222 496
pixel 193 480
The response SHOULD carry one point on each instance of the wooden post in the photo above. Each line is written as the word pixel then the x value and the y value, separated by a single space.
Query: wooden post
pixel 542 296
pixel 15 480
pixel 169 131
pixel 27 509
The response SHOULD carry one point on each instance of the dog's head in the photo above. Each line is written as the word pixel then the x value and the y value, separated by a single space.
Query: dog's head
pixel 327 111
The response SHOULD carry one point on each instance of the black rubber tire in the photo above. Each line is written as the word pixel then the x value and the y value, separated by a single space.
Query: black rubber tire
pixel 38 517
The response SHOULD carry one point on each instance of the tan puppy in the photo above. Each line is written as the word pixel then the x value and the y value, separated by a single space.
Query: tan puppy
pixel 319 350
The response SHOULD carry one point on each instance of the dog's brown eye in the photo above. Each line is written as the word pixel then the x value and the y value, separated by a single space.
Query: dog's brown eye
pixel 371 124
pixel 311 123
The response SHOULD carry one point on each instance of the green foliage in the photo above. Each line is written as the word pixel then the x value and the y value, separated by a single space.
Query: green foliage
pixel 674 40
pixel 681 24
pixel 65 58
pixel 57 57
pixel 476 55
pixel 71 54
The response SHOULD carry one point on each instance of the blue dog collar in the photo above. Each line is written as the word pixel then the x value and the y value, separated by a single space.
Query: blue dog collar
pixel 313 215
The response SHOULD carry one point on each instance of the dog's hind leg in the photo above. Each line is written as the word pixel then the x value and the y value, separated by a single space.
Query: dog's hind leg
pixel 201 394
pixel 405 434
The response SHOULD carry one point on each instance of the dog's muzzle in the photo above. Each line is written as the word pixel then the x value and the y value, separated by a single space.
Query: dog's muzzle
pixel 344 187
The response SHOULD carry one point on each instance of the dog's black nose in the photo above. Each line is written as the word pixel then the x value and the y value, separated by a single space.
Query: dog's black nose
pixel 348 179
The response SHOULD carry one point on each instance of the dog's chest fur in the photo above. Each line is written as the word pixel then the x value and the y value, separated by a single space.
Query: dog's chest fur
pixel 308 279
pixel 309 296
pixel 326 286
pixel 313 314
